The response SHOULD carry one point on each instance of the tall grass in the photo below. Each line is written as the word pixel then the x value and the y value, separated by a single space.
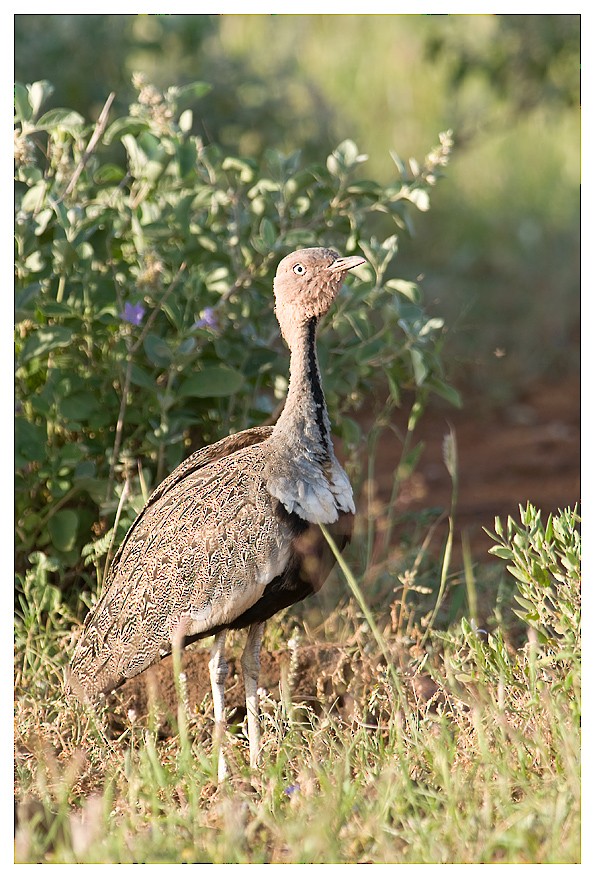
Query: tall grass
pixel 457 744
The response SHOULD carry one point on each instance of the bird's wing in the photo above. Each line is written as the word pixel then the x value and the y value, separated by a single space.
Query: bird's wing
pixel 199 556
pixel 196 461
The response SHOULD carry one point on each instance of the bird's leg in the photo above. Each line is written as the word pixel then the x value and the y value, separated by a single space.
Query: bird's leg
pixel 251 669
pixel 218 673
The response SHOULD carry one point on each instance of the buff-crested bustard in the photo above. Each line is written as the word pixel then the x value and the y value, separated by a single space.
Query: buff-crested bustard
pixel 231 536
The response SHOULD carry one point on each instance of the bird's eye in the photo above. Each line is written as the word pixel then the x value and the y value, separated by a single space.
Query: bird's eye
pixel 298 268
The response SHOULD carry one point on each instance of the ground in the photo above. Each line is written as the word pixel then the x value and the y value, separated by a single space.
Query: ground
pixel 528 451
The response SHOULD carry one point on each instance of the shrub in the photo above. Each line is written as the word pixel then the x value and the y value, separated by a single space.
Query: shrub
pixel 544 560
pixel 144 264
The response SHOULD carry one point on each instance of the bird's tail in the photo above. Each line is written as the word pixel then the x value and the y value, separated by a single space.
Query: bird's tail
pixel 91 674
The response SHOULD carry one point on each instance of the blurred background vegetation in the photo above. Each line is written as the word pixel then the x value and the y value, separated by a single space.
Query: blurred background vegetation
pixel 499 252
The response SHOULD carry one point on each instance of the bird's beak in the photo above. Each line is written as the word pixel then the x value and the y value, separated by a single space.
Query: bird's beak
pixel 345 263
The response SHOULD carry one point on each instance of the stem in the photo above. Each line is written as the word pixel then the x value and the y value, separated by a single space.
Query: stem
pixel 450 460
pixel 108 556
pixel 97 133
pixel 119 425
pixel 357 593
pixel 61 287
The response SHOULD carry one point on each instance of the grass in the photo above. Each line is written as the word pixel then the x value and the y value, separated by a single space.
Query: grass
pixel 457 744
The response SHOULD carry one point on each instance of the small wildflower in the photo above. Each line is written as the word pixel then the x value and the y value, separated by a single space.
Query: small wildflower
pixel 208 320
pixel 151 103
pixel 133 313
pixel 138 80
pixel 439 156
pixel 477 631
pixel 292 789
pixel 24 151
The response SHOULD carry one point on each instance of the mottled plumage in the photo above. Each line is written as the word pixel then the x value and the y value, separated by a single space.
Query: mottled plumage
pixel 231 536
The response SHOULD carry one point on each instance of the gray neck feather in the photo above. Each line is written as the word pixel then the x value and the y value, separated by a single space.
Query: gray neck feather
pixel 304 422
pixel 303 472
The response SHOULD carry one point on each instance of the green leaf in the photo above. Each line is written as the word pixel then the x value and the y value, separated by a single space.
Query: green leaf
pixel 345 156
pixel 333 165
pixel 22 107
pixel 63 527
pixel 212 381
pixel 186 155
pixel 431 325
pixel 157 350
pixel 34 197
pixel 501 552
pixel 420 198
pixel 39 92
pixel 447 392
pixel 109 174
pixel 30 441
pixel 268 233
pixel 78 406
pixel 45 340
pixel 420 369
pixel 26 301
pixel 186 95
pixel 521 575
pixel 125 125
pixel 186 120
pixel 407 288
pixel 136 156
pixel 141 377
pixel 67 120
pixel 245 169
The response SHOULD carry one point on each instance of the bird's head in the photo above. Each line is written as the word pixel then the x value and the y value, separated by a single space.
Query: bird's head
pixel 306 284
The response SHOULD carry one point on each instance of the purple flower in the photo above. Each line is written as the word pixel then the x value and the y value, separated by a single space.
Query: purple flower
pixel 133 313
pixel 290 790
pixel 207 321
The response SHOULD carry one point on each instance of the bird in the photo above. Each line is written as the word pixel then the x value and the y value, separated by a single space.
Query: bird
pixel 232 536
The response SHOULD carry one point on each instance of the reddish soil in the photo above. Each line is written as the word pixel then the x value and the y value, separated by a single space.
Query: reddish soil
pixel 527 451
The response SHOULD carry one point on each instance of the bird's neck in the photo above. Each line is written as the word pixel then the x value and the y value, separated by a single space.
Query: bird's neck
pixel 302 470
pixel 304 422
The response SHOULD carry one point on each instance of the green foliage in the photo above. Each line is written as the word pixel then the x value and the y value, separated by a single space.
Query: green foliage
pixel 527 58
pixel 42 628
pixel 545 562
pixel 499 251
pixel 144 265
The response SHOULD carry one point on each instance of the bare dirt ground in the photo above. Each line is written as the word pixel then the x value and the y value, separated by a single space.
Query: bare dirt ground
pixel 529 451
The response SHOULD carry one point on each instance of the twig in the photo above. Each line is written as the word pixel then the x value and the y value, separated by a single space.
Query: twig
pixel 108 557
pixel 97 133
pixel 119 426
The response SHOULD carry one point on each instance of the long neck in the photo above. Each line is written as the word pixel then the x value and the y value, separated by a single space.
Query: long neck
pixel 304 422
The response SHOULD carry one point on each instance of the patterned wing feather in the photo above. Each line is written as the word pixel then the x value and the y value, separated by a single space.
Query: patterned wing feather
pixel 198 555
